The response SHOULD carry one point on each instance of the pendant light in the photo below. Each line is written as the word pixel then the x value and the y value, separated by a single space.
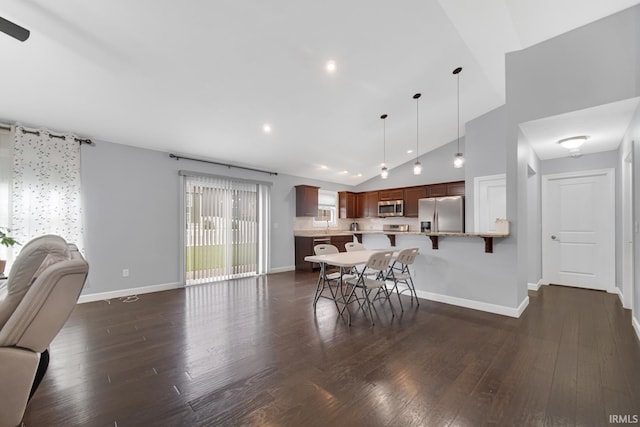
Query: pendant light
pixel 385 172
pixel 458 159
pixel 417 167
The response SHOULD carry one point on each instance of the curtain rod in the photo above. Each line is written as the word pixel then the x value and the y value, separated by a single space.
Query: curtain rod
pixel 174 156
pixel 52 135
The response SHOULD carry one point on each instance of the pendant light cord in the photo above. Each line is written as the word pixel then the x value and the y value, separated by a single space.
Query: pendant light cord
pixel 458 76
pixel 384 141
pixel 417 97
pixel 417 128
pixel 457 73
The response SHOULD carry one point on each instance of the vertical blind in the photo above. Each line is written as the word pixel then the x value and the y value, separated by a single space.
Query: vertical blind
pixel 226 228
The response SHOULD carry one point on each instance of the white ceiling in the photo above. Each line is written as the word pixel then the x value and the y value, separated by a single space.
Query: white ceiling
pixel 604 125
pixel 201 78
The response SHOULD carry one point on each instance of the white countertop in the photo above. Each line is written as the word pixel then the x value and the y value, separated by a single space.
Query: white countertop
pixel 323 233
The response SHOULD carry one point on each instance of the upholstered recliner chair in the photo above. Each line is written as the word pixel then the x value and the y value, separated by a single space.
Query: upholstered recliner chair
pixel 43 287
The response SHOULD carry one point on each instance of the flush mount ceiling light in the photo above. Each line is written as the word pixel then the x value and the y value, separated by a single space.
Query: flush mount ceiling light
pixel 573 142
pixel 385 172
pixel 417 166
pixel 458 159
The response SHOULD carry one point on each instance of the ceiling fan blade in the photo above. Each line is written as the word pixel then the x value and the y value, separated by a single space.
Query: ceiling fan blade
pixel 14 30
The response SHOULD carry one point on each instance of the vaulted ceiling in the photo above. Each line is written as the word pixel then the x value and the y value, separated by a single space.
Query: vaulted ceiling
pixel 202 78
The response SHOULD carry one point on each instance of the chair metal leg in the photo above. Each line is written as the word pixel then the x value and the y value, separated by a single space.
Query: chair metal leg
pixel 393 312
pixel 413 291
pixel 319 289
pixel 366 295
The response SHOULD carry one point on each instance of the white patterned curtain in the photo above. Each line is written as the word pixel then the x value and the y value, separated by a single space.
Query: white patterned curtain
pixel 45 195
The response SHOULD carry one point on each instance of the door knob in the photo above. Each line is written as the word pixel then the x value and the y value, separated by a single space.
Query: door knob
pixel 553 237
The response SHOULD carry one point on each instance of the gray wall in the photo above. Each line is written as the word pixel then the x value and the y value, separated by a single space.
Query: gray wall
pixel 632 140
pixel 486 150
pixel 131 212
pixel 624 234
pixel 592 65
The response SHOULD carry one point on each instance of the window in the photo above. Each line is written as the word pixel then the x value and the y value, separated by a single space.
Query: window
pixel 327 209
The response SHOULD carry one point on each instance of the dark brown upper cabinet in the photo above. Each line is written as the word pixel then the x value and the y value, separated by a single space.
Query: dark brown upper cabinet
pixel 306 200
pixel 347 204
pixel 411 197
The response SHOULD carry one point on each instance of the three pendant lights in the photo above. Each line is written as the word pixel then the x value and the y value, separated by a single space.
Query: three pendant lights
pixel 458 159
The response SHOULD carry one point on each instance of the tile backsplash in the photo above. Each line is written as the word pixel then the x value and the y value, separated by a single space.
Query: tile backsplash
pixel 365 224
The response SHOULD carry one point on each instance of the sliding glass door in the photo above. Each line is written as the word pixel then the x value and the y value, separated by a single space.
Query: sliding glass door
pixel 225 229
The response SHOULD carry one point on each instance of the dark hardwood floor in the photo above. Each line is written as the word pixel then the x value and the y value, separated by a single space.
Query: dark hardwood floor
pixel 252 352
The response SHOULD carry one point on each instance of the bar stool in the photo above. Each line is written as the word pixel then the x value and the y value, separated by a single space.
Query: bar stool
pixel 400 275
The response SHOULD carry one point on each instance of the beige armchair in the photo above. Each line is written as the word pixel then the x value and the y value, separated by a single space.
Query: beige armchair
pixel 43 287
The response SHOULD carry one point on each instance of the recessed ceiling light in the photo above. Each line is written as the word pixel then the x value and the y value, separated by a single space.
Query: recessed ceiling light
pixel 573 142
pixel 266 128
pixel 409 151
pixel 344 172
pixel 324 167
pixel 359 175
pixel 331 66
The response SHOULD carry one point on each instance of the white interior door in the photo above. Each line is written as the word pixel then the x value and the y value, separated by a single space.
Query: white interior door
pixel 578 229
pixel 490 202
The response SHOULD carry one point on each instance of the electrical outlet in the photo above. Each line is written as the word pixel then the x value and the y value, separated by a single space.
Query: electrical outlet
pixel 125 272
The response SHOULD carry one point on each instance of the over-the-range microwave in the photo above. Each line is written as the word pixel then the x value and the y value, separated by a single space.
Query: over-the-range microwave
pixel 391 208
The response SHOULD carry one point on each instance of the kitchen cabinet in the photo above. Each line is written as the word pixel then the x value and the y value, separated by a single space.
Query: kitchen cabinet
pixel 367 204
pixel 339 241
pixel 396 194
pixel 306 200
pixel 360 205
pixel 437 190
pixel 411 197
pixel 347 204
pixel 370 204
pixel 455 188
pixel 303 248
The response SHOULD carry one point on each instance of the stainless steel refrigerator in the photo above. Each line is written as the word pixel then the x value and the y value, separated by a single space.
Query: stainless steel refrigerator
pixel 441 214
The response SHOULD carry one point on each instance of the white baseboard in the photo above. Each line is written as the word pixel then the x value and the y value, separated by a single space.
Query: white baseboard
pixel 282 269
pixel 617 290
pixel 535 286
pixel 100 296
pixel 636 326
pixel 476 305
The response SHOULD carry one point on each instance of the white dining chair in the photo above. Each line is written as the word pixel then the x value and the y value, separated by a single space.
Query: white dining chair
pixel 400 274
pixel 354 246
pixel 371 278
pixel 326 280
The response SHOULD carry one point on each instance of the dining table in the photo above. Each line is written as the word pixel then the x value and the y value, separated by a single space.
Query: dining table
pixel 345 261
